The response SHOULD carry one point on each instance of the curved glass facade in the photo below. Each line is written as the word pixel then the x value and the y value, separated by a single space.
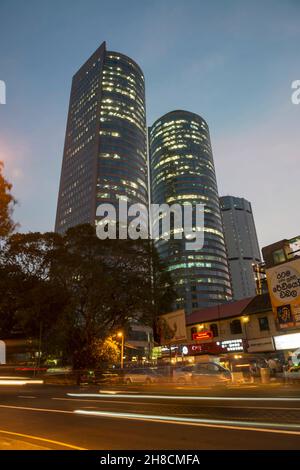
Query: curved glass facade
pixel 105 153
pixel 182 171
pixel 122 165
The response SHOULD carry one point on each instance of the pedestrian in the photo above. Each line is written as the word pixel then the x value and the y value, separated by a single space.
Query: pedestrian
pixel 272 366
pixel 290 362
pixel 253 371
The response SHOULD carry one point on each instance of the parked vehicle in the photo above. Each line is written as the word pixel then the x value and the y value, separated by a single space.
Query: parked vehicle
pixel 204 373
pixel 146 376
pixel 183 375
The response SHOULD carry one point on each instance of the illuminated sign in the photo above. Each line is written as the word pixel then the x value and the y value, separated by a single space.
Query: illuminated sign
pixel 185 350
pixel 233 345
pixel 205 348
pixel 202 335
pixel 291 341
pixel 284 290
pixel 285 283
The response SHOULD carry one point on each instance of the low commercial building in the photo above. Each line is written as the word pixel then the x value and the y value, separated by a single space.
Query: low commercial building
pixel 282 261
pixel 237 333
pixel 241 328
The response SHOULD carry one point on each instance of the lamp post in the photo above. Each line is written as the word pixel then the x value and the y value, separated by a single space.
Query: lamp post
pixel 121 335
pixel 245 320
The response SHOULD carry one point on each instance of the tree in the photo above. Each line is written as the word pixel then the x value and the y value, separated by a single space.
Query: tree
pixel 7 202
pixel 73 291
pixel 106 351
pixel 30 301
pixel 111 285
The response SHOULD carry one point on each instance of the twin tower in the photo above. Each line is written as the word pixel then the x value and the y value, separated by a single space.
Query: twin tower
pixel 106 159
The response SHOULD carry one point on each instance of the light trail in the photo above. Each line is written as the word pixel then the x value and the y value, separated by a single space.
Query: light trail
pixel 121 402
pixel 277 428
pixel 20 382
pixel 180 397
pixel 27 408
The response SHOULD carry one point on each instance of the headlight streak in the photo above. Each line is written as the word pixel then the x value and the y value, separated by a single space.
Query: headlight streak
pixel 230 425
pixel 180 397
pixel 20 382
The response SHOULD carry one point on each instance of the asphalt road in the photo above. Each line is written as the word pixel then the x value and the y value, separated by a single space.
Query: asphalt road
pixel 52 417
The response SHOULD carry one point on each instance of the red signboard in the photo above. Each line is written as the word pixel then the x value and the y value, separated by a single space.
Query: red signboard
pixel 205 348
pixel 202 335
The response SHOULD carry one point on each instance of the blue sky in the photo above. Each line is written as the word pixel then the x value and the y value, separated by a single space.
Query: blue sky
pixel 232 62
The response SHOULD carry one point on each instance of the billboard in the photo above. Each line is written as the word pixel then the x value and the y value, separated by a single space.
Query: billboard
pixel 291 341
pixel 284 289
pixel 171 327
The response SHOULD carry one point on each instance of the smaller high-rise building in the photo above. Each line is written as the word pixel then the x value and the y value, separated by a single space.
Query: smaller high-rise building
pixel 242 244
pixel 182 172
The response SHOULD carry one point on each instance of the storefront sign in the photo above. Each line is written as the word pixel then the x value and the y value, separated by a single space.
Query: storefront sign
pixel 180 350
pixel 202 335
pixel 233 345
pixel 291 341
pixel 260 345
pixel 284 289
pixel 205 348
pixel 285 283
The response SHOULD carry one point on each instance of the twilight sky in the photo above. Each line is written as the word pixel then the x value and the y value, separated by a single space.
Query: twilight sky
pixel 230 61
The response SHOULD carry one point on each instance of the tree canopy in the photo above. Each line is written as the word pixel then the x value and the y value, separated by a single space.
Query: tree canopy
pixel 7 202
pixel 74 290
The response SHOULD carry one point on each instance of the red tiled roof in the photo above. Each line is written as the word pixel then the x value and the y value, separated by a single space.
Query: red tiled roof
pixel 230 309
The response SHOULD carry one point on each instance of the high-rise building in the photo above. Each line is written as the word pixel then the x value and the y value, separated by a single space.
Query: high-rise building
pixel 242 245
pixel 105 151
pixel 182 171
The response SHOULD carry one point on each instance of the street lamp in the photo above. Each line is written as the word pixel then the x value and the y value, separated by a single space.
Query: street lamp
pixel 121 335
pixel 245 320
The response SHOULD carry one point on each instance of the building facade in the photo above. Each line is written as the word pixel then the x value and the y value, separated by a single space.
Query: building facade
pixel 241 331
pixel 242 245
pixel 182 171
pixel 105 151
pixel 248 323
pixel 283 276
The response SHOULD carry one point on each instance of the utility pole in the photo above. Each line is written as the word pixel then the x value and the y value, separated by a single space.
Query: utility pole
pixel 121 335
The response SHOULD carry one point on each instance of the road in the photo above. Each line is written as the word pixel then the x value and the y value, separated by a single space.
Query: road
pixel 53 417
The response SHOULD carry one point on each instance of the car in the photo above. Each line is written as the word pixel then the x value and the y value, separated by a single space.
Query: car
pixel 145 376
pixel 203 373
pixel 183 375
pixel 211 373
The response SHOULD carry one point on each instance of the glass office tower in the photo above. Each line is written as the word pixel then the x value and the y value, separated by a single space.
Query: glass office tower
pixel 242 244
pixel 182 171
pixel 105 152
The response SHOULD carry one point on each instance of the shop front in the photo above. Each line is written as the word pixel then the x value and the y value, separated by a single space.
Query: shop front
pixel 189 352
pixel 289 345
